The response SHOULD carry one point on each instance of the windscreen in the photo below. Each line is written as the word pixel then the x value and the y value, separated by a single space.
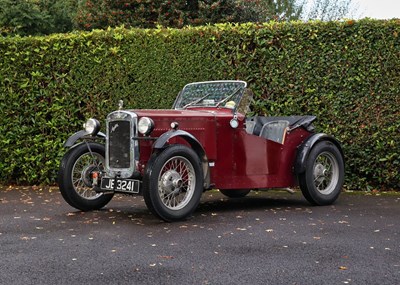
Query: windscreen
pixel 211 93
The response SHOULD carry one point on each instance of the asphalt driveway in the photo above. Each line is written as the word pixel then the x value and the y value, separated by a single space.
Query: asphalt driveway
pixel 265 238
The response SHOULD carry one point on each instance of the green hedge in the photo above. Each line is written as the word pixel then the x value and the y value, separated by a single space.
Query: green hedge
pixel 346 73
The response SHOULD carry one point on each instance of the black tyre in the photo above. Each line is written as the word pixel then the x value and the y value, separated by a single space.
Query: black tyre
pixel 173 183
pixel 75 177
pixel 322 181
pixel 235 193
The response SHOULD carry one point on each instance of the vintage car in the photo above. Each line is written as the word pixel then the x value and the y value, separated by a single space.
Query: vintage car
pixel 204 142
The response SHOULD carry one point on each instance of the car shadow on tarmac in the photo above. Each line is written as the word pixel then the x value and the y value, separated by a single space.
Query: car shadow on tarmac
pixel 128 209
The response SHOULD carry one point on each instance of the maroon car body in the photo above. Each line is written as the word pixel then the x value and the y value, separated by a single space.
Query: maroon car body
pixel 206 141
pixel 237 160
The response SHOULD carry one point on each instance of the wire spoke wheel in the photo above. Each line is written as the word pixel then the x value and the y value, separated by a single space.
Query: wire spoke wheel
pixel 326 172
pixel 173 183
pixel 176 183
pixel 75 177
pixel 323 178
pixel 81 174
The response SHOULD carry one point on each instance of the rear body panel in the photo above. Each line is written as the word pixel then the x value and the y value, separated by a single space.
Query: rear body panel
pixel 253 162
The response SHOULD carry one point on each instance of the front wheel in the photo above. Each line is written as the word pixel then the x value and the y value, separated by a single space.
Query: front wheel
pixel 173 183
pixel 75 177
pixel 323 178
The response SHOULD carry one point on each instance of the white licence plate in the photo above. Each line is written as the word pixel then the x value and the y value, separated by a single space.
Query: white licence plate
pixel 120 185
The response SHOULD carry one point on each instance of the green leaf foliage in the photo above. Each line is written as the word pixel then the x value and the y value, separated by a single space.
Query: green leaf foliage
pixel 347 73
pixel 36 17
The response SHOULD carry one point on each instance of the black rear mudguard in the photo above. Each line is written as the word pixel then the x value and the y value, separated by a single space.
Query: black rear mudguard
pixel 305 148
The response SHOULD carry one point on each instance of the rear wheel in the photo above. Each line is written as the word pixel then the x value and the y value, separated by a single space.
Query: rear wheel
pixel 75 177
pixel 323 178
pixel 173 183
pixel 235 193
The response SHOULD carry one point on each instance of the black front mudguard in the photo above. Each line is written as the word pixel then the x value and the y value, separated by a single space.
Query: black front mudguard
pixel 82 135
pixel 162 142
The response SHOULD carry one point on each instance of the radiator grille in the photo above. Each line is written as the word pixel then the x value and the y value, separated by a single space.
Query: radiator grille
pixel 119 144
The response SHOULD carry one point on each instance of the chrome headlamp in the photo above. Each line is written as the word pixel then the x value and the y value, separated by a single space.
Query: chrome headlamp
pixel 92 126
pixel 145 126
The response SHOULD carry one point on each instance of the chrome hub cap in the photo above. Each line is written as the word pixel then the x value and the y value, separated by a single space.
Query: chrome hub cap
pixel 171 181
pixel 326 173
pixel 87 175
